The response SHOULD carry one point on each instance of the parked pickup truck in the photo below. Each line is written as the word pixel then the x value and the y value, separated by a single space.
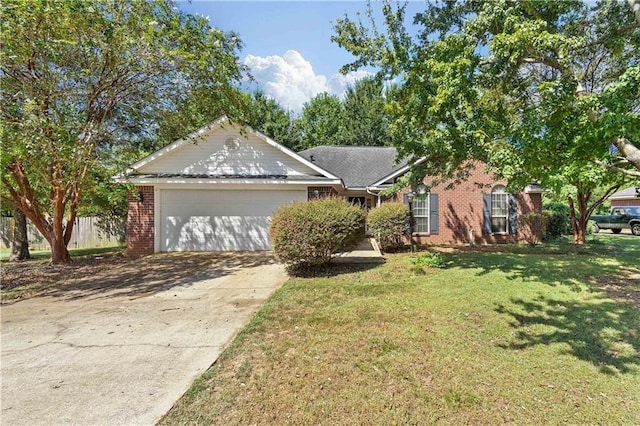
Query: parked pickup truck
pixel 619 219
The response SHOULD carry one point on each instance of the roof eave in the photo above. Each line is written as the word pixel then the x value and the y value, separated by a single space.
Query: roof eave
pixel 205 181
pixel 402 170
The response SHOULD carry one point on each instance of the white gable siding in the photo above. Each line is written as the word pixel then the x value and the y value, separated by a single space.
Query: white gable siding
pixel 209 155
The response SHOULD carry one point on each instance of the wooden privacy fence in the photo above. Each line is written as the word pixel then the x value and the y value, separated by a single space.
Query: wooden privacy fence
pixel 88 232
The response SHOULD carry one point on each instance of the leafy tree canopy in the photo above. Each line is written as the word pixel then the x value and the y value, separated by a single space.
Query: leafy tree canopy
pixel 322 121
pixel 84 83
pixel 542 91
pixel 270 118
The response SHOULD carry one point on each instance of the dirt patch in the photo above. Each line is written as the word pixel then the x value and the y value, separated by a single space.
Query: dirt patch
pixel 29 278
pixel 96 275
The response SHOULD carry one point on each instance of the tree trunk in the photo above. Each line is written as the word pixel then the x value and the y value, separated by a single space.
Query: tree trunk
pixel 579 222
pixel 19 242
pixel 635 8
pixel 59 251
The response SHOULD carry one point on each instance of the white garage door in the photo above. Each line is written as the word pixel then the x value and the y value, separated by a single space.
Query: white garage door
pixel 220 220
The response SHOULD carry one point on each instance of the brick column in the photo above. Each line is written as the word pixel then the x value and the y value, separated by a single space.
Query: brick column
pixel 140 222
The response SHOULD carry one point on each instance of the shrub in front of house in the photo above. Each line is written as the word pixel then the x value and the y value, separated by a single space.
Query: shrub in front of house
pixel 556 220
pixel 308 233
pixel 386 223
pixel 427 260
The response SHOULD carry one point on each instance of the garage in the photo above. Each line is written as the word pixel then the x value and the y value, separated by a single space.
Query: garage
pixel 215 190
pixel 219 220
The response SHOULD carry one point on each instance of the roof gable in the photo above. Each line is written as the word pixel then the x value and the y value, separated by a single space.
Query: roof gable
pixel 222 148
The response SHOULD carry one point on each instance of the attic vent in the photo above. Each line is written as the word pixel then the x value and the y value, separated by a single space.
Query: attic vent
pixel 232 144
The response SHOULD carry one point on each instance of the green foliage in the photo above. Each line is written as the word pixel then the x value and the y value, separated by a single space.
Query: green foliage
pixel 360 119
pixel 270 118
pixel 365 119
pixel 429 260
pixel 322 121
pixel 309 233
pixel 89 85
pixel 556 219
pixel 386 223
pixel 527 87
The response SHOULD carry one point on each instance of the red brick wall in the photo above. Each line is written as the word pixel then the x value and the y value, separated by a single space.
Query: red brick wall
pixel 140 222
pixel 625 203
pixel 460 210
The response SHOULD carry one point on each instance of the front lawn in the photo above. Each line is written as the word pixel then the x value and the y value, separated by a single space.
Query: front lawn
pixel 512 334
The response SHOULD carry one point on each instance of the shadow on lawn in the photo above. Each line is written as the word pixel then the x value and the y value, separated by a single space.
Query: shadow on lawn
pixel 598 266
pixel 333 269
pixel 604 333
pixel 599 330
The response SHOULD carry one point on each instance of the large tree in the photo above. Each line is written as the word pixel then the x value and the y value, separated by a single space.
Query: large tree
pixel 79 78
pixel 365 119
pixel 270 118
pixel 546 91
pixel 359 119
pixel 322 121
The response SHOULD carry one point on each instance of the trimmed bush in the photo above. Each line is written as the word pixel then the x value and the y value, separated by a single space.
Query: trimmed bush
pixel 308 233
pixel 556 220
pixel 386 223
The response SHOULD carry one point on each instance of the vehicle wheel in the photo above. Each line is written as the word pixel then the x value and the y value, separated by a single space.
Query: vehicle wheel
pixel 616 230
pixel 596 228
pixel 635 229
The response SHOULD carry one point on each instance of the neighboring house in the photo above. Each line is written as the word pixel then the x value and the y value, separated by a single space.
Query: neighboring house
pixel 217 189
pixel 626 197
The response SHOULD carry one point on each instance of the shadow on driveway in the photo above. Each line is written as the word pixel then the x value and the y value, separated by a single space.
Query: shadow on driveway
pixel 119 276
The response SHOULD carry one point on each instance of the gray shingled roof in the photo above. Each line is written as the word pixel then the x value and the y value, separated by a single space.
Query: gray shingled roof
pixel 358 166
pixel 626 193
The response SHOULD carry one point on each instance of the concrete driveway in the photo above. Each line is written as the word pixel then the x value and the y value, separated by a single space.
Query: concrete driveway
pixel 122 348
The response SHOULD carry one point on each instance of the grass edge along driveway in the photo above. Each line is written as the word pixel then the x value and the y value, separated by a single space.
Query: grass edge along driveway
pixel 513 334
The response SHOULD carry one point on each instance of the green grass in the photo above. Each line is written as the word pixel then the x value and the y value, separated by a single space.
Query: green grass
pixel 526 335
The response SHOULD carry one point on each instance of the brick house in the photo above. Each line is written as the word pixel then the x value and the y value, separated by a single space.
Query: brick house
pixel 217 188
pixel 626 197
pixel 477 210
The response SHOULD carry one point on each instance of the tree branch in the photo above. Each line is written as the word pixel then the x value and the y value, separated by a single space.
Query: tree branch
pixel 544 60
pixel 628 172
pixel 628 150
pixel 635 7
pixel 600 200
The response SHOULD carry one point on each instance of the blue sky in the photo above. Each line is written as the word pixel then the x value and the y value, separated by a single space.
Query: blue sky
pixel 287 44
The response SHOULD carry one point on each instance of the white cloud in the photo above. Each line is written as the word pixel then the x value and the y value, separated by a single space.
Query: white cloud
pixel 338 83
pixel 290 79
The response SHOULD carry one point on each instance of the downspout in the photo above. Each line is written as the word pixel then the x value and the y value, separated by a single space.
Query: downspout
pixel 377 195
pixel 377 205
